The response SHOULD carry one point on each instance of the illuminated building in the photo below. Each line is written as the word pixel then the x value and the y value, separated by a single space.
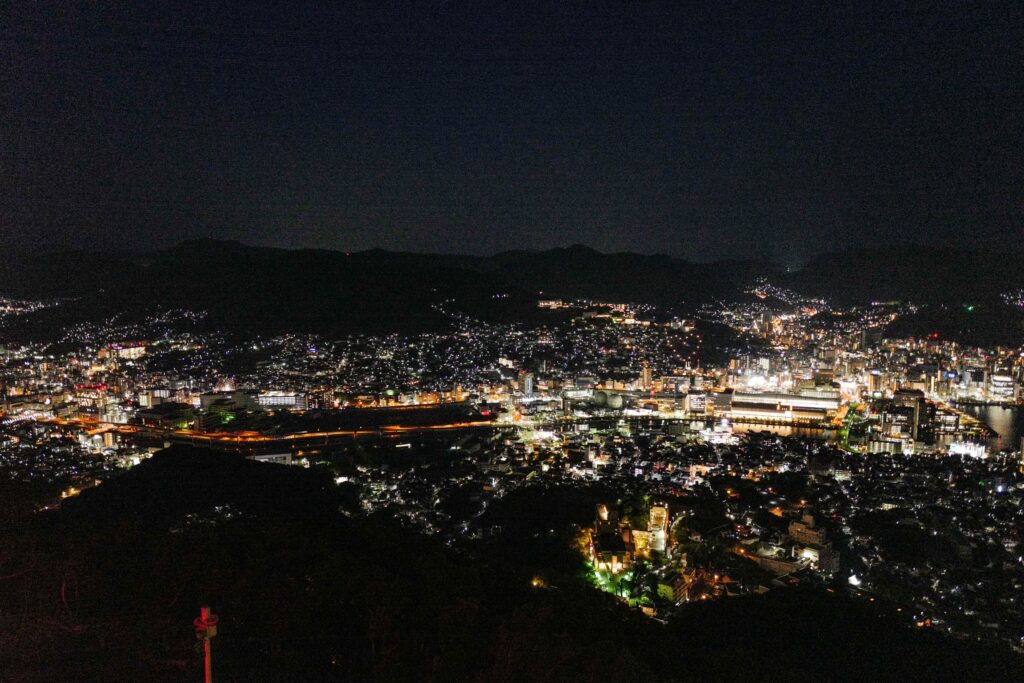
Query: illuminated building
pixel 642 542
pixel 779 406
pixel 804 531
pixel 286 400
pixel 697 403
pixel 123 351
pixel 811 544
pixel 528 384
pixel 167 416
pixel 611 543
pixel 235 401
pixel 152 397
pixel 973 450
pixel 275 458
pixel 1000 387
pixel 657 525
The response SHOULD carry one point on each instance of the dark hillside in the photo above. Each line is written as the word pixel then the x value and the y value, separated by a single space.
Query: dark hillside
pixel 106 588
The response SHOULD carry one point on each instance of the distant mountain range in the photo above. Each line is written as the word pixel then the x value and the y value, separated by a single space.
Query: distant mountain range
pixel 370 291
pixel 960 290
pixel 376 290
pixel 919 274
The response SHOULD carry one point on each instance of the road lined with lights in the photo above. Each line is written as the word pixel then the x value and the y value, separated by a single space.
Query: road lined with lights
pixel 92 426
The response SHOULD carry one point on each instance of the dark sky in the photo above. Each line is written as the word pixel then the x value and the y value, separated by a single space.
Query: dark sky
pixel 704 131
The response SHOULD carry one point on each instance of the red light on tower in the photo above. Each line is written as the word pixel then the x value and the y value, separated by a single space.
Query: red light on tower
pixel 206 628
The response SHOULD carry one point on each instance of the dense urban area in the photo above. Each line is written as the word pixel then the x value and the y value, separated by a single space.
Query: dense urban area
pixel 664 457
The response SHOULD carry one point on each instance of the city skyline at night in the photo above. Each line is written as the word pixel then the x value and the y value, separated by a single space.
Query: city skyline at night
pixel 464 341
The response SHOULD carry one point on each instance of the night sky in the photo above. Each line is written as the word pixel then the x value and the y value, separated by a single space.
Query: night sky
pixel 703 131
